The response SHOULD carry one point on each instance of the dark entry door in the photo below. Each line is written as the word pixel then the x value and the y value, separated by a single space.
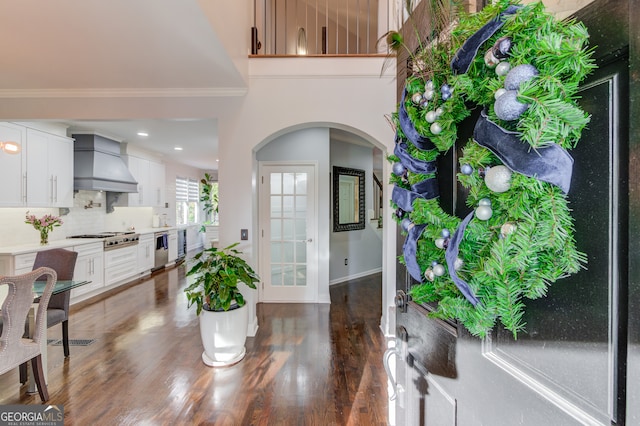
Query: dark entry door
pixel 580 350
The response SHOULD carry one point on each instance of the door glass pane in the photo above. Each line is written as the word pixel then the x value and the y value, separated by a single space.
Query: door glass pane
pixel 287 275
pixel 276 206
pixel 287 206
pixel 276 183
pixel 301 206
pixel 276 229
pixel 276 275
pixel 301 252
pixel 276 252
pixel 288 182
pixel 301 183
pixel 301 229
pixel 287 252
pixel 301 275
pixel 287 225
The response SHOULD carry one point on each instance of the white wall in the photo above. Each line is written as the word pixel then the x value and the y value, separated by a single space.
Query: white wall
pixel 362 248
pixel 291 94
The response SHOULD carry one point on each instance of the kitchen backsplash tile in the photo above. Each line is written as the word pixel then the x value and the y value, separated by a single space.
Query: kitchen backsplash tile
pixel 88 215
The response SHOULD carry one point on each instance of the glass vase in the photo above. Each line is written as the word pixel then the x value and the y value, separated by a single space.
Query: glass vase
pixel 44 237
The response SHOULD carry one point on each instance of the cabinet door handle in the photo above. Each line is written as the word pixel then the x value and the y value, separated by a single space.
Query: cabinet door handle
pixel 51 189
pixel 56 181
pixel 24 187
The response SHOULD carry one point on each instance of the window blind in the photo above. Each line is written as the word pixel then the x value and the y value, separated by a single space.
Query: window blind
pixel 187 190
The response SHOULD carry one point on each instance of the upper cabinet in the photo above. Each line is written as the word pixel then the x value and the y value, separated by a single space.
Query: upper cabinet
pixel 13 171
pixel 49 180
pixel 41 175
pixel 150 176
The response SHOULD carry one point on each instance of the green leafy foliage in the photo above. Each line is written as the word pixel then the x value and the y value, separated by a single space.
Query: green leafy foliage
pixel 216 274
pixel 503 268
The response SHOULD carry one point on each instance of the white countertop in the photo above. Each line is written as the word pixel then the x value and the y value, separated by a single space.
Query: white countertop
pixel 68 242
pixel 28 248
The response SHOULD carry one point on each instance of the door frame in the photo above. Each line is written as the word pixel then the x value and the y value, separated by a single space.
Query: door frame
pixel 263 262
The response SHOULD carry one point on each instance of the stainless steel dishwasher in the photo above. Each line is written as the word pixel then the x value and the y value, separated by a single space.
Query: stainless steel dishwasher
pixel 161 250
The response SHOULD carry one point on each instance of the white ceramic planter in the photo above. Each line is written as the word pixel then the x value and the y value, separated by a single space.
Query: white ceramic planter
pixel 223 336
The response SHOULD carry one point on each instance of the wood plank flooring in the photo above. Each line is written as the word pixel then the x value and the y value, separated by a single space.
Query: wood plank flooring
pixel 309 364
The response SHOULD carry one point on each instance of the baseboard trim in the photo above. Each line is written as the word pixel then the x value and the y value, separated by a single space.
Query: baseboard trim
pixel 355 276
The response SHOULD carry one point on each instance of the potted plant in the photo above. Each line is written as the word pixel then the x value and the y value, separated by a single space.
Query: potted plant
pixel 219 303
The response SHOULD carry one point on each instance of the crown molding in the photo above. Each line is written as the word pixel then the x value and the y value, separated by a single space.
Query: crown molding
pixel 207 92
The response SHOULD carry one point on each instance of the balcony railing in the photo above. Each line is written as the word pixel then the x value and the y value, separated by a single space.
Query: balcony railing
pixel 320 27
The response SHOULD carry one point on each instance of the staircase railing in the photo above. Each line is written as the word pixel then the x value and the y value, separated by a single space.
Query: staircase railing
pixel 319 27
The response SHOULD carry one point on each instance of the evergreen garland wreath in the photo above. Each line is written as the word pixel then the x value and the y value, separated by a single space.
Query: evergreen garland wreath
pixel 522 67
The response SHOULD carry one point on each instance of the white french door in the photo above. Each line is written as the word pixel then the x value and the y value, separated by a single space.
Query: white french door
pixel 288 266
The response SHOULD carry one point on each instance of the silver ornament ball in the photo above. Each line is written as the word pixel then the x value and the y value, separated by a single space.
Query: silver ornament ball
pixel 498 179
pixel 484 202
pixel 436 128
pixel 458 264
pixel 398 169
pixel 503 68
pixel 484 212
pixel 508 107
pixel 438 270
pixel 431 117
pixel 519 75
pixel 501 91
pixel 466 169
pixel 428 274
pixel 416 98
pixel 440 243
pixel 490 59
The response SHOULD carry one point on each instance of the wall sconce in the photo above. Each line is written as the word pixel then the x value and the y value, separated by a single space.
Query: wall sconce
pixel 301 47
pixel 10 147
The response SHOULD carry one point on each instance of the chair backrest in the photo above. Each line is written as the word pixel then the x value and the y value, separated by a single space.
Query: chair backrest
pixel 63 262
pixel 15 310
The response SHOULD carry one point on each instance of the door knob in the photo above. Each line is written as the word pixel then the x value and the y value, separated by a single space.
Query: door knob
pixel 401 301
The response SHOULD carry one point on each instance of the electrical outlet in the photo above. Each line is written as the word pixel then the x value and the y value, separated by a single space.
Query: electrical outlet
pixel 244 234
pixel 346 261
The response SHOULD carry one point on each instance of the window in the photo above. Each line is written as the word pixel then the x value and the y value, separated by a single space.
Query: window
pixel 187 196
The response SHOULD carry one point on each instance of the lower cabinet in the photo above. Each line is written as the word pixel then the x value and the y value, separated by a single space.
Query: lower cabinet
pixel 89 267
pixel 120 264
pixel 146 251
pixel 173 245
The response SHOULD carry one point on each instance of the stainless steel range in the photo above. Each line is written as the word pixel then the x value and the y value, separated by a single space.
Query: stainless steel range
pixel 113 240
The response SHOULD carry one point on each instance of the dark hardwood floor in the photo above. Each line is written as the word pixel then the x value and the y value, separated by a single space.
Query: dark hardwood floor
pixel 309 364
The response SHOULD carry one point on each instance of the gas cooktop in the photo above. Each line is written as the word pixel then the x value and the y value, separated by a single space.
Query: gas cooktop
pixel 113 240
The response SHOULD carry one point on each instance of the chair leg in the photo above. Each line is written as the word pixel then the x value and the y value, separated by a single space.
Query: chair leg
pixel 38 374
pixel 23 373
pixel 65 337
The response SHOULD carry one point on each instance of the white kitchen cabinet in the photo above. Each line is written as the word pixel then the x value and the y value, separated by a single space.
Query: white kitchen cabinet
pixel 146 253
pixel 120 265
pixel 150 176
pixel 172 237
pixel 49 180
pixel 89 267
pixel 15 265
pixel 13 167
pixel 157 184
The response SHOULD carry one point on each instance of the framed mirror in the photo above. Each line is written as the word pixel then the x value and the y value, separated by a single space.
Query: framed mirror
pixel 348 199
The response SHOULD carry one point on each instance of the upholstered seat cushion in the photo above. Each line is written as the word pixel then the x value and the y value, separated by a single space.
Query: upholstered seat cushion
pixel 55 316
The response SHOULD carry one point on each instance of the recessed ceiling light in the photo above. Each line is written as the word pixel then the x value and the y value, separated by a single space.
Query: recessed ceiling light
pixel 143 134
pixel 217 160
pixel 177 148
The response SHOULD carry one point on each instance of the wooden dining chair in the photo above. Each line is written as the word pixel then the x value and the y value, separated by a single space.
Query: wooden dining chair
pixel 63 262
pixel 15 348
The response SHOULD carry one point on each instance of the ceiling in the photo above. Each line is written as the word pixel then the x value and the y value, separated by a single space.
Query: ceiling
pixel 113 54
